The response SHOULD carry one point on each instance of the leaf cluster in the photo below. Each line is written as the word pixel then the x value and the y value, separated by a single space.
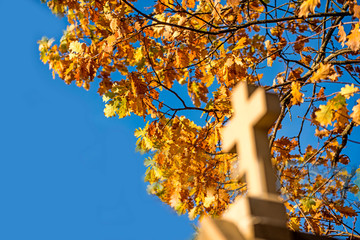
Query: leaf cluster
pixel 175 58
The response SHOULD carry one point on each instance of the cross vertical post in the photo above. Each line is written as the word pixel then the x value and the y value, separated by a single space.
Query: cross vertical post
pixel 247 134
pixel 259 215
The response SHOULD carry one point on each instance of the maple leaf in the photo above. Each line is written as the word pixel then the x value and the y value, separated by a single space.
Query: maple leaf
pixel 353 38
pixel 349 90
pixel 308 6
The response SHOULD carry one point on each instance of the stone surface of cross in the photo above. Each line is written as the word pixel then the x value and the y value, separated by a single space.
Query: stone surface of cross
pixel 247 133
pixel 260 214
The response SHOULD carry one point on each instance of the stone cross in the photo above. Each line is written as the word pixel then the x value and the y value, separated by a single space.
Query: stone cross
pixel 259 215
pixel 247 133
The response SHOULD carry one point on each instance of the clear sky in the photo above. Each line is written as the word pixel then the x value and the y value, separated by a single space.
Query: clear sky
pixel 66 171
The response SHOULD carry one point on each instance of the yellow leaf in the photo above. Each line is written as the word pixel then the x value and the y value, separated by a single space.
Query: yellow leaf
pixel 308 6
pixel 297 95
pixel 193 213
pixel 109 110
pixel 240 44
pixel 355 115
pixel 294 224
pixel 342 35
pixel 210 198
pixel 353 38
pixel 208 201
pixel 323 72
pixel 348 91
pixel 76 47
pixel 229 62
pixel 324 115
pixel 138 54
pixel 105 98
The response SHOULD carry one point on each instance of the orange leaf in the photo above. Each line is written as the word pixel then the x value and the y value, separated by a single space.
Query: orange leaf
pixel 297 95
pixel 356 112
pixel 353 38
pixel 342 35
pixel 357 11
pixel 347 211
pixel 308 6
pixel 322 73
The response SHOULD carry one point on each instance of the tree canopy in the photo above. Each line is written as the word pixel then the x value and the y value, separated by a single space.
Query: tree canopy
pixel 168 60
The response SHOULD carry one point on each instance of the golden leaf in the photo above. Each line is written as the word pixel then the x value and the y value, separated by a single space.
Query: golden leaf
pixel 323 72
pixel 357 11
pixel 324 115
pixel 233 3
pixel 342 118
pixel 355 115
pixel 294 224
pixel 191 3
pixel 349 90
pixel 208 201
pixel 347 211
pixel 76 47
pixel 193 213
pixel 297 95
pixel 210 198
pixel 308 6
pixel 182 59
pixel 353 38
pixel 109 110
pixel 240 44
pixel 342 35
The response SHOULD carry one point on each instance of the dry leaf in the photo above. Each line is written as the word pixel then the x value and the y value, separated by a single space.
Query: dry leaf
pixel 353 38
pixel 349 90
pixel 297 95
pixel 323 72
pixel 308 6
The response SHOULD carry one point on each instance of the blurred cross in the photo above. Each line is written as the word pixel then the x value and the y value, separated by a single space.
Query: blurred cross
pixel 260 214
pixel 247 134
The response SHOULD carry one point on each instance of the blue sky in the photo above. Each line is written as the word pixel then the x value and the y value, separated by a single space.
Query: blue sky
pixel 66 171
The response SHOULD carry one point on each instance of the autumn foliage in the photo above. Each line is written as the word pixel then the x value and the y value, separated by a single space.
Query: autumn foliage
pixel 174 63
